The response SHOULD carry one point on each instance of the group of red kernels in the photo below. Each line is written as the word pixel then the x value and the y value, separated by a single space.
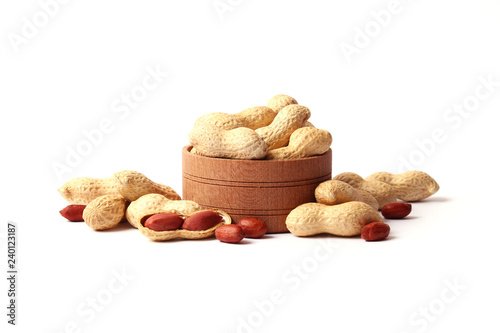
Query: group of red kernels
pixel 229 233
pixel 378 230
pixel 247 227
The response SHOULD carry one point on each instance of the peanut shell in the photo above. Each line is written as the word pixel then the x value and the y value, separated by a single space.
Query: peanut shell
pixel 151 204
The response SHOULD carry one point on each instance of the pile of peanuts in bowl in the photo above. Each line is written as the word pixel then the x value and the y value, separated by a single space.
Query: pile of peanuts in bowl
pixel 347 205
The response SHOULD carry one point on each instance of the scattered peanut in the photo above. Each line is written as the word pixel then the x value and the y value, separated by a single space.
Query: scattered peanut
pixel 229 233
pixel 105 212
pixel 73 213
pixel 410 185
pixel 346 219
pixel 334 192
pixel 129 184
pixel 82 190
pixel 396 210
pixel 252 118
pixel 304 142
pixel 383 192
pixel 239 143
pixel 290 118
pixel 151 204
pixel 132 185
pixel 252 227
pixel 375 231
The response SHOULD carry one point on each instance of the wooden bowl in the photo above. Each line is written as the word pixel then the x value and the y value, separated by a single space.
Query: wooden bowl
pixel 267 190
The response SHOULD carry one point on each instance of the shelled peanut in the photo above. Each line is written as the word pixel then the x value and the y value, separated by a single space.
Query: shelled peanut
pixel 153 203
pixel 248 227
pixel 174 224
pixel 73 213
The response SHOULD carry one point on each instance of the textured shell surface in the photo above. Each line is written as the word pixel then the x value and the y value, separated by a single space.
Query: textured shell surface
pixel 382 192
pixel 278 102
pixel 334 192
pixel 304 142
pixel 132 185
pixel 410 186
pixel 239 143
pixel 82 190
pixel 153 203
pixel 288 119
pixel 345 219
pixel 105 212
pixel 253 118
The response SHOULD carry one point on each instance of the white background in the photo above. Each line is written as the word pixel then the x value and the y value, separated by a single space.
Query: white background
pixel 68 75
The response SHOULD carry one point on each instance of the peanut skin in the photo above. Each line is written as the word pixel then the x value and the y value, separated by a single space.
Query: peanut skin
pixel 150 204
pixel 184 234
pixel 410 185
pixel 229 233
pixel 164 222
pixel 304 142
pixel 396 210
pixel 375 231
pixel 73 213
pixel 346 219
pixel 252 227
pixel 202 221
